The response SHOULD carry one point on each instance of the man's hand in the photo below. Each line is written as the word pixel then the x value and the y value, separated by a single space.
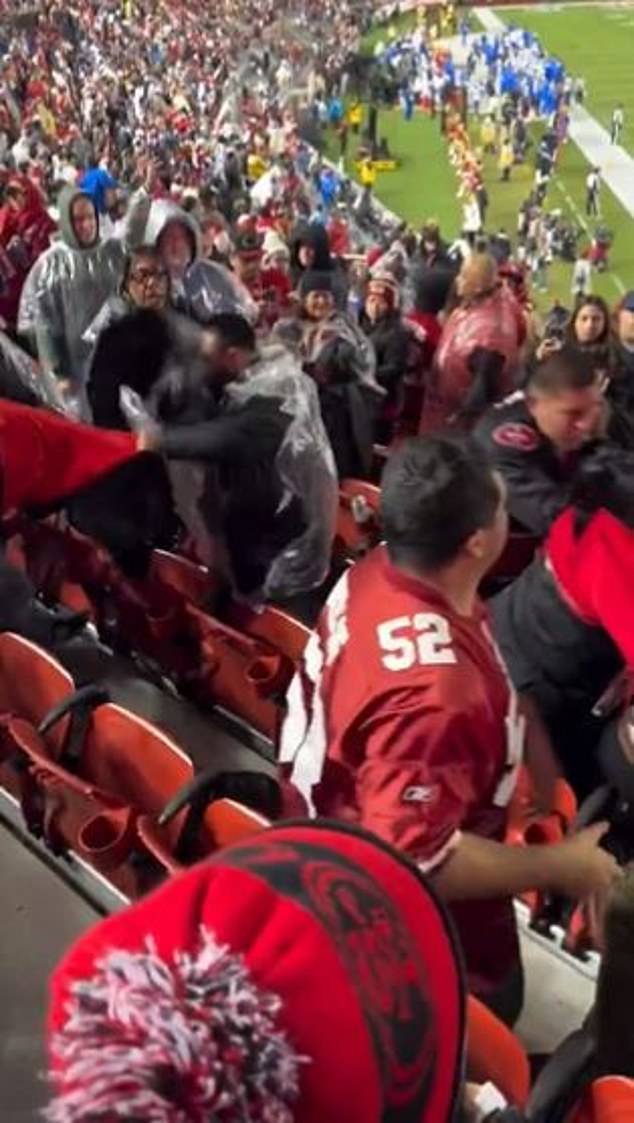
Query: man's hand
pixel 580 867
pixel 149 440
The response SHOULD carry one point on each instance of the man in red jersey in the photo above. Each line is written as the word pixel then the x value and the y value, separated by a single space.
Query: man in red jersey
pixel 403 718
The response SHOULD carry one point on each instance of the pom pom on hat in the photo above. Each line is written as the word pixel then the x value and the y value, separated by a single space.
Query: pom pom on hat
pixel 189 1038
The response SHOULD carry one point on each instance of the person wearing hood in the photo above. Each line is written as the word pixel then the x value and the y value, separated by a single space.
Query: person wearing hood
pixel 382 324
pixel 70 282
pixel 335 353
pixel 25 233
pixel 310 250
pixel 138 336
pixel 200 288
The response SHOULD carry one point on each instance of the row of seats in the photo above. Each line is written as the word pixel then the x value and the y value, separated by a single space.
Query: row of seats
pixel 98 779
pixel 242 663
pixel 94 777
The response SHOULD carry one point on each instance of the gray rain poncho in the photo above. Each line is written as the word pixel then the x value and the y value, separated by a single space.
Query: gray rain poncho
pixel 206 288
pixel 69 284
pixel 22 380
pixel 306 466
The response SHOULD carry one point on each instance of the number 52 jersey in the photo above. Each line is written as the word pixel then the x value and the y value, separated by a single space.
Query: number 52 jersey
pixel 402 718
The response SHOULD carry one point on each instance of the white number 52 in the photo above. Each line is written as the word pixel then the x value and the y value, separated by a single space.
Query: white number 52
pixel 424 638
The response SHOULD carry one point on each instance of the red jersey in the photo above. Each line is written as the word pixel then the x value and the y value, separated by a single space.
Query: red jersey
pixel 402 718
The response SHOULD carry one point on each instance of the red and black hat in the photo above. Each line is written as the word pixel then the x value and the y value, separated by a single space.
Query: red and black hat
pixel 307 976
pixel 386 287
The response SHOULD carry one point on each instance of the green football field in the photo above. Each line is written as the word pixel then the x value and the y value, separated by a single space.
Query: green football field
pixel 596 41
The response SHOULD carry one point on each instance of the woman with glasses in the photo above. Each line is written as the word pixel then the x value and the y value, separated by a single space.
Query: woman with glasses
pixel 137 336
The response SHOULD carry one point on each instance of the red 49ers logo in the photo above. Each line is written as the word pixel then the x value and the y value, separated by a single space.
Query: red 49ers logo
pixel 515 434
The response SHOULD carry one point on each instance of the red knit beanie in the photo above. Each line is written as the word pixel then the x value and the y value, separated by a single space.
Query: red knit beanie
pixel 309 976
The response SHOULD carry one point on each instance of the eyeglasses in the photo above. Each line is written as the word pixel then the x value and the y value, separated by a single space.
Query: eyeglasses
pixel 144 276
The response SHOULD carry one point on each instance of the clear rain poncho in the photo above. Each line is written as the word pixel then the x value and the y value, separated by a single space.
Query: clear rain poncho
pixel 206 288
pixel 22 380
pixel 306 466
pixel 304 462
pixel 69 284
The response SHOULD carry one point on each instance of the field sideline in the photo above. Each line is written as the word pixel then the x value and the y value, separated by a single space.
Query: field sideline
pixel 595 41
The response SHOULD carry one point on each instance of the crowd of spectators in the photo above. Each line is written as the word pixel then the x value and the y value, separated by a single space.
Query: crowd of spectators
pixel 184 272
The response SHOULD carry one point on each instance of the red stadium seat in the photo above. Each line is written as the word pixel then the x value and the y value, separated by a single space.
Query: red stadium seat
pixel 243 675
pixel 195 582
pixel 608 1100
pixel 32 683
pixel 89 804
pixel 495 1054
pixel 224 823
pixel 199 585
pixel 526 825
pixel 271 624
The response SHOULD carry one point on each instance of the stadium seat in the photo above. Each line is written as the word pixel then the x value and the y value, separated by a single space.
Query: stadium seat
pixel 608 1100
pixel 32 682
pixel 213 818
pixel 90 803
pixel 199 585
pixel 243 675
pixel 495 1054
pixel 527 826
pixel 271 624
pixel 195 582
pixel 358 528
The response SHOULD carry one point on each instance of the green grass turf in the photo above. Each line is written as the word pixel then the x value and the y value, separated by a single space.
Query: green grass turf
pixel 567 193
pixel 595 41
pixel 424 185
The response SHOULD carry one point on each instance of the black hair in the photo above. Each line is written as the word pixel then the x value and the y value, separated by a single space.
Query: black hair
pixel 233 329
pixel 436 492
pixel 140 251
pixel 604 481
pixel 567 369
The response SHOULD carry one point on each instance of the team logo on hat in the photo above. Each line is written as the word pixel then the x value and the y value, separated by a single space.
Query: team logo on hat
pixel 377 953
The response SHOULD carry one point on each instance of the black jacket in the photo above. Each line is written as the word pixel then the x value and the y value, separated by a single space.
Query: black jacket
pixel 538 480
pixel 243 490
pixel 390 339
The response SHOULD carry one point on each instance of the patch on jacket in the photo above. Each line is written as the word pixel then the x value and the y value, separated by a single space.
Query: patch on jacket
pixel 514 434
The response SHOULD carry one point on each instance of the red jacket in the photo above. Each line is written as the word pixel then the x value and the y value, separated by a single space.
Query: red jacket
pixel 494 324
pixel 593 572
pixel 398 719
pixel 24 235
pixel 45 457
